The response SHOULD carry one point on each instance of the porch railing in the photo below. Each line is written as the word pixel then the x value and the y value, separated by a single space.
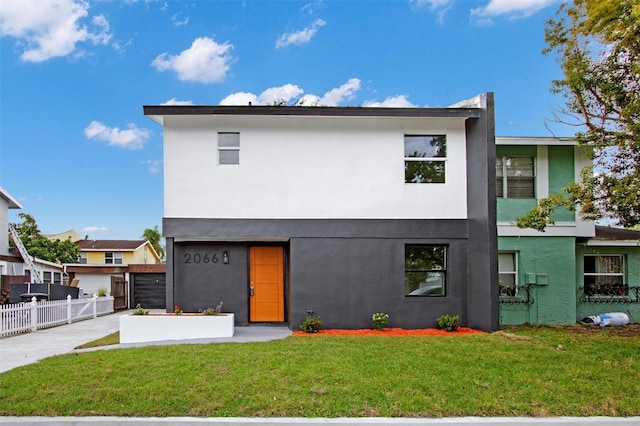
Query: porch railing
pixel 31 316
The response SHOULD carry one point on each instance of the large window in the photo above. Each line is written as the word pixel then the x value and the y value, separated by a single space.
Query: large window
pixel 113 258
pixel 507 274
pixel 425 158
pixel 515 177
pixel 425 270
pixel 228 148
pixel 604 274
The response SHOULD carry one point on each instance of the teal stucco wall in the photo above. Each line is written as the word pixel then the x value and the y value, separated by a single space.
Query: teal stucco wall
pixel 552 260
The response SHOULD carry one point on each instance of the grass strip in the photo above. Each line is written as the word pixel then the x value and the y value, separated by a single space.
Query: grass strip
pixel 553 373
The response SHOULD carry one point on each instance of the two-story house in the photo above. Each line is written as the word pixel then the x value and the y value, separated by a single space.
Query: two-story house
pixel 341 212
pixel 572 270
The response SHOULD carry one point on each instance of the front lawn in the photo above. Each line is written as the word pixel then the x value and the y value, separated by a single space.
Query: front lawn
pixel 524 372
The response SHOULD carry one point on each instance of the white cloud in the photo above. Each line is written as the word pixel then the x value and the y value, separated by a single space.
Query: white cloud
pixel 179 23
pixel 240 98
pixel 399 101
pixel 95 230
pixel 300 37
pixel 174 101
pixel 288 92
pixel 435 4
pixel 340 94
pixel 514 9
pixel 205 61
pixel 131 138
pixel 50 28
pixel 154 166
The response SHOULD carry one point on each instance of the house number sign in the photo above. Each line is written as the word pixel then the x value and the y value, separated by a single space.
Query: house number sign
pixel 200 258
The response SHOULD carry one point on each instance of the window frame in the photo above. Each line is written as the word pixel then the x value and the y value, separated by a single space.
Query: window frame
pixel 409 159
pixel 83 258
pixel 228 149
pixel 503 178
pixel 442 270
pixel 611 289
pixel 506 290
pixel 115 257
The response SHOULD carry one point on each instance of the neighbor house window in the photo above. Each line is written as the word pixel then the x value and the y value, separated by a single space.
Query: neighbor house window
pixel 113 258
pixel 507 274
pixel 425 270
pixel 82 258
pixel 228 148
pixel 515 177
pixel 46 277
pixel 604 274
pixel 425 158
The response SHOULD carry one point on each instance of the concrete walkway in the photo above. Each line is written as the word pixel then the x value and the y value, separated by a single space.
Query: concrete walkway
pixel 27 348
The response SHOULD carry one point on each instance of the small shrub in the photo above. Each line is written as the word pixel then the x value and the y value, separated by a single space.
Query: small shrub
pixel 102 292
pixel 380 320
pixel 448 322
pixel 212 311
pixel 177 310
pixel 140 311
pixel 311 324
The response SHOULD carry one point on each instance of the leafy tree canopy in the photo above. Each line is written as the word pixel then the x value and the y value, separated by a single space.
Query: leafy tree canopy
pixel 597 43
pixel 154 237
pixel 43 248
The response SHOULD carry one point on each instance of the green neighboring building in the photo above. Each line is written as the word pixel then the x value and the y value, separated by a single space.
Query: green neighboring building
pixel 575 268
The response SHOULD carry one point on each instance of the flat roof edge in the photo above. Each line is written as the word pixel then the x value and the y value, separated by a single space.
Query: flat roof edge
pixel 161 110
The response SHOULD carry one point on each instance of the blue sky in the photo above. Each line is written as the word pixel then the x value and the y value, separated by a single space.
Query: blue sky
pixel 77 152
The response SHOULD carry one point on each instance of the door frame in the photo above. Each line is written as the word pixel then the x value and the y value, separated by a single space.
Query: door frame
pixel 285 282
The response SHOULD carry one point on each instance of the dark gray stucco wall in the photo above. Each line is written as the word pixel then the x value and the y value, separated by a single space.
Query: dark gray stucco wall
pixel 346 280
pixel 204 280
pixel 482 267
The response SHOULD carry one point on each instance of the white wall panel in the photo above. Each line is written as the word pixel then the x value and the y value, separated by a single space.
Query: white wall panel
pixel 308 167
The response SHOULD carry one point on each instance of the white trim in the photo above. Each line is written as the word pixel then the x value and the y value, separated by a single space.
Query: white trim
pixel 559 229
pixel 613 243
pixel 533 140
pixel 12 202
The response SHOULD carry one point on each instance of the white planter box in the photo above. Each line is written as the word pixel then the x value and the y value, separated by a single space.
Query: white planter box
pixel 156 328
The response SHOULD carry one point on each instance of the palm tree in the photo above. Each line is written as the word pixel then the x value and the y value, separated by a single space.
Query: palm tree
pixel 154 237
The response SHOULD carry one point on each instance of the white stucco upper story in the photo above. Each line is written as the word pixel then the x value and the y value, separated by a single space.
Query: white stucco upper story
pixel 317 167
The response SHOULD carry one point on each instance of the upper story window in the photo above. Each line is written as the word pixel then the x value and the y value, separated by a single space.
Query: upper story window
pixel 113 258
pixel 515 177
pixel 425 270
pixel 425 158
pixel 82 258
pixel 604 274
pixel 52 277
pixel 228 148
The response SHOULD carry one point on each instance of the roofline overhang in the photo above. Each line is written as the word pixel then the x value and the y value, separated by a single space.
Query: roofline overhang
pixel 12 202
pixel 157 112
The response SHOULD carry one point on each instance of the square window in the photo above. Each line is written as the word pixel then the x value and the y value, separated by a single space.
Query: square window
pixel 425 158
pixel 82 258
pixel 515 177
pixel 228 148
pixel 113 258
pixel 425 270
pixel 604 275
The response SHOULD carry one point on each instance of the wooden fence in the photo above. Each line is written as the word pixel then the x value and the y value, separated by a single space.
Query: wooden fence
pixel 30 316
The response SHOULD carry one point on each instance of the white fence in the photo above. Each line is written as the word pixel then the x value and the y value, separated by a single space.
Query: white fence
pixel 31 316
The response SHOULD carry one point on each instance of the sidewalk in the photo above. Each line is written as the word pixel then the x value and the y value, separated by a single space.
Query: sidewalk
pixel 27 348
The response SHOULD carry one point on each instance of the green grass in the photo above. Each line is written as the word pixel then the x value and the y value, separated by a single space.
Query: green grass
pixel 111 339
pixel 554 373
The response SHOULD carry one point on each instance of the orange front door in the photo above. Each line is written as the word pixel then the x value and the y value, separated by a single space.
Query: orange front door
pixel 267 284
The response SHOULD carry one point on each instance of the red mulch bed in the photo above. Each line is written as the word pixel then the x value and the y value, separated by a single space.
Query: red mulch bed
pixel 392 332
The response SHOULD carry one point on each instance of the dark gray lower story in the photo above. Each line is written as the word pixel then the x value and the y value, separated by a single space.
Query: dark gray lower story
pixel 340 270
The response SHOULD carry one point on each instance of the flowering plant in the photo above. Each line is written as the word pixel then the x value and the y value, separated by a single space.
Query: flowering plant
pixel 380 320
pixel 177 310
pixel 311 324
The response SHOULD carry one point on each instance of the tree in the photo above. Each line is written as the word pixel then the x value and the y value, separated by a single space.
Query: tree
pixel 597 43
pixel 154 237
pixel 43 248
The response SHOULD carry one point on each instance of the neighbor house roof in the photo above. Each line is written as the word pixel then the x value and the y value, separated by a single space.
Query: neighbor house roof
pixel 609 236
pixel 12 202
pixel 109 245
pixel 148 268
